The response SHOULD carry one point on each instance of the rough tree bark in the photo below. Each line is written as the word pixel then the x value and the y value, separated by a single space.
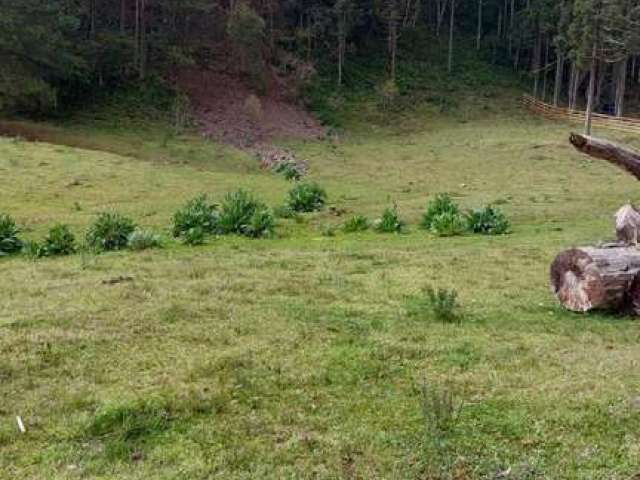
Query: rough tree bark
pixel 619 155
pixel 605 277
pixel 621 84
pixel 591 91
pixel 590 278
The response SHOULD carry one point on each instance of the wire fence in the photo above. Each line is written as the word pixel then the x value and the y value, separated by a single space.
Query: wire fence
pixel 622 124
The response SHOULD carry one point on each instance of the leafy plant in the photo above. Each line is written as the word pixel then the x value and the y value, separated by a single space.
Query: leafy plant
pixel 307 197
pixel 31 249
pixel 441 304
pixel 357 223
pixel 144 239
pixel 9 241
pixel 441 204
pixel 289 170
pixel 194 236
pixel 390 221
pixel 488 221
pixel 241 213
pixel 110 231
pixel 197 213
pixel 448 224
pixel 262 223
pixel 59 241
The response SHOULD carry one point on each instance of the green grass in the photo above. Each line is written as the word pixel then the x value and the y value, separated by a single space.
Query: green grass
pixel 294 357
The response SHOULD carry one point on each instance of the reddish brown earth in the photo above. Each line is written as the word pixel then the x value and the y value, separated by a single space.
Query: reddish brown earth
pixel 219 104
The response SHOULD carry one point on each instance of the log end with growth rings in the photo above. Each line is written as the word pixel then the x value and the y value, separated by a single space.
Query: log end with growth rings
pixel 576 281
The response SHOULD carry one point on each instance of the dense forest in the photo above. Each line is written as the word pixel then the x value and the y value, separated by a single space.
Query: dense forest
pixel 575 52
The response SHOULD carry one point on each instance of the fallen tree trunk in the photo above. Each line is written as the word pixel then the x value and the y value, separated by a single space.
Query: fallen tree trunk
pixel 621 156
pixel 591 278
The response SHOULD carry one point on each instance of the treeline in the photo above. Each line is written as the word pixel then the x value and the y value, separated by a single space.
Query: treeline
pixel 55 51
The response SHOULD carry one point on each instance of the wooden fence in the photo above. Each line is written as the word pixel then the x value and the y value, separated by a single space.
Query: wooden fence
pixel 623 124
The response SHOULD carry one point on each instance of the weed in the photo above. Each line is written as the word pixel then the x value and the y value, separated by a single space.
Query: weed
pixel 448 224
pixel 440 408
pixel 441 304
pixel 194 236
pixel 261 224
pixel 390 221
pixel 197 214
pixel 357 223
pixel 441 411
pixel 31 249
pixel 440 205
pixel 9 241
pixel 110 231
pixel 144 239
pixel 307 197
pixel 241 213
pixel 289 170
pixel 59 241
pixel 488 221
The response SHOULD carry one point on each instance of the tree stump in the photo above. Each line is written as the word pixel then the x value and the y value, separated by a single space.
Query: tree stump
pixel 592 278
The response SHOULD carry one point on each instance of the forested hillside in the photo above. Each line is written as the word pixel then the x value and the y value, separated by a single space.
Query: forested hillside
pixel 57 52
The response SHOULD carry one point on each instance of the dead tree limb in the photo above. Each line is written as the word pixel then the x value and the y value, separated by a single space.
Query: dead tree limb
pixel 621 156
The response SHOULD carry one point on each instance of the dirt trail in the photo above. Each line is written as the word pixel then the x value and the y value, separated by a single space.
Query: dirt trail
pixel 220 105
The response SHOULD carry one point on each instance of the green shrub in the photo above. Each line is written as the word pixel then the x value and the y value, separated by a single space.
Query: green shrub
pixel 197 213
pixel 110 231
pixel 441 304
pixel 488 221
pixel 262 223
pixel 289 170
pixel 357 223
pixel 194 236
pixel 390 222
pixel 448 224
pixel 441 204
pixel 144 239
pixel 31 249
pixel 59 241
pixel 307 197
pixel 241 213
pixel 9 241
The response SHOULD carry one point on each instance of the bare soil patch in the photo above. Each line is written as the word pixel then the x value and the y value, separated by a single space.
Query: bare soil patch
pixel 228 110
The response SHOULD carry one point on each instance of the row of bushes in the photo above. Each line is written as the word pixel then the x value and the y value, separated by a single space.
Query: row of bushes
pixel 239 213
pixel 443 218
pixel 110 231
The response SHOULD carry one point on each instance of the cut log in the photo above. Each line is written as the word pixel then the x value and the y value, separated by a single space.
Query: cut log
pixel 621 156
pixel 590 278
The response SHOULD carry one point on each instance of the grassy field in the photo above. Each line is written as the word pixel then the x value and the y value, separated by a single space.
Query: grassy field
pixel 294 357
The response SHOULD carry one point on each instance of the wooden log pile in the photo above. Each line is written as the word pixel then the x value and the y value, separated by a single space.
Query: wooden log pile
pixel 605 277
